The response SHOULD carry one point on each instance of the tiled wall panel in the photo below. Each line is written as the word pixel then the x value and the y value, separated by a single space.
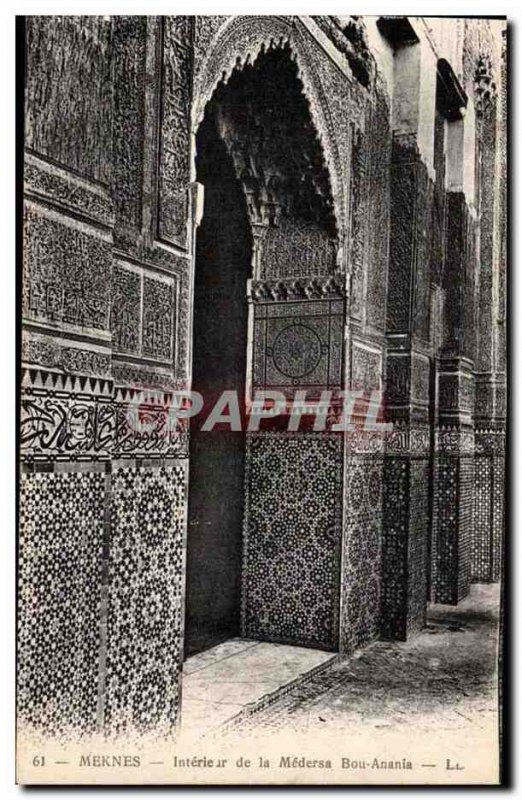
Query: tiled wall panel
pixel 145 600
pixel 362 546
pixel 292 539
pixel 60 565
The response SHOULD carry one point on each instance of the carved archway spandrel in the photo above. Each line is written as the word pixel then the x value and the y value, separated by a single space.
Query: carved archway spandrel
pixel 238 42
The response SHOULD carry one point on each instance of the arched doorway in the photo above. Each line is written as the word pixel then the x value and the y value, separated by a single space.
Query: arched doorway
pixel 223 255
pixel 268 202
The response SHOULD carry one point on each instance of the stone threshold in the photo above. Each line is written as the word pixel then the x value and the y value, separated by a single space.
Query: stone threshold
pixel 239 677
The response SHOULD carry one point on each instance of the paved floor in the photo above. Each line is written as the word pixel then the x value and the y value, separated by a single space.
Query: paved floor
pixel 223 681
pixel 421 712
pixel 443 679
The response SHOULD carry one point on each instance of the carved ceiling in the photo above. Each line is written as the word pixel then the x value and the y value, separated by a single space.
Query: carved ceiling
pixel 263 117
pixel 485 87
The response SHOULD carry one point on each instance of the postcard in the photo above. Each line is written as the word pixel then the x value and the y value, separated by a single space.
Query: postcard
pixel 263 399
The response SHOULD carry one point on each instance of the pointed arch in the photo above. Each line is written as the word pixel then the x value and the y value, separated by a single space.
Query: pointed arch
pixel 239 42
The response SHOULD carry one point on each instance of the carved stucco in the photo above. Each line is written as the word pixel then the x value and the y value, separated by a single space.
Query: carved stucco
pixel 485 86
pixel 239 41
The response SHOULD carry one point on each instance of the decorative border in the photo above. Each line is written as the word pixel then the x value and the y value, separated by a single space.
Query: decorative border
pixel 238 42
pixel 328 287
pixel 47 181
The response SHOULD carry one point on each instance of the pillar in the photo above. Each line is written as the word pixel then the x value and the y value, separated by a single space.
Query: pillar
pixel 407 376
pixel 453 463
pixel 490 402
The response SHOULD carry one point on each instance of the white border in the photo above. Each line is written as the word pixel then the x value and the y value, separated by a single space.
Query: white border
pixel 8 322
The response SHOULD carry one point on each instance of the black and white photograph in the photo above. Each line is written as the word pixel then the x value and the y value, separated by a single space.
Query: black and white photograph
pixel 262 398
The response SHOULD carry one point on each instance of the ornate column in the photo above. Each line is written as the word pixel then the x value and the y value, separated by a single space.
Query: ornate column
pixel 361 569
pixel 156 212
pixel 453 440
pixel 406 462
pixel 489 412
pixel 67 422
pixel 293 504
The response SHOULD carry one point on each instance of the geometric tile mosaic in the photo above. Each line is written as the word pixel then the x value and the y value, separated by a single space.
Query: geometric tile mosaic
pixel 395 546
pixel 60 558
pixel 292 539
pixel 145 600
pixel 465 511
pixel 488 521
pixel 481 540
pixel 405 543
pixel 499 488
pixel 452 534
pixel 418 545
pixel 361 562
